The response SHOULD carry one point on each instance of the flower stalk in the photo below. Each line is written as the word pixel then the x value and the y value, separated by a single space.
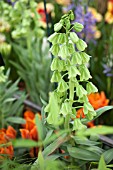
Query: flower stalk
pixel 70 60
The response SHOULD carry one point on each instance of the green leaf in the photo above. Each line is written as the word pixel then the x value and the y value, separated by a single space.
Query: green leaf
pixel 17 120
pixel 102 164
pixel 103 130
pixel 108 156
pixel 83 154
pixel 25 143
pixel 53 146
pixel 98 113
pixel 39 126
pixel 81 140
pixel 41 160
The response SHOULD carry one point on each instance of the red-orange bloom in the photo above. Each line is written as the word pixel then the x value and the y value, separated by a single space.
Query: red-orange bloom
pixel 29 130
pixel 98 100
pixel 80 113
pixel 5 136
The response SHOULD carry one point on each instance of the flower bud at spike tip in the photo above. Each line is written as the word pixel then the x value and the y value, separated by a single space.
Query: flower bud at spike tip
pixel 78 27
pixel 57 27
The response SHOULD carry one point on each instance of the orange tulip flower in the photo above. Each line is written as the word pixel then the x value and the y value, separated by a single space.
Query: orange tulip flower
pixel 98 100
pixel 29 130
pixel 5 136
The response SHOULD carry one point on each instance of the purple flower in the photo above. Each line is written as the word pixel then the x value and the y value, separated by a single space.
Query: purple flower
pixel 86 18
pixel 108 71
pixel 12 2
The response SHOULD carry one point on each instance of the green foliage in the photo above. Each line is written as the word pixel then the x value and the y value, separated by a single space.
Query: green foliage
pixel 8 164
pixel 9 106
pixel 34 68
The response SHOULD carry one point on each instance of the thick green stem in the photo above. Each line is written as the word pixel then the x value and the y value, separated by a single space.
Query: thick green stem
pixel 71 88
pixel 67 120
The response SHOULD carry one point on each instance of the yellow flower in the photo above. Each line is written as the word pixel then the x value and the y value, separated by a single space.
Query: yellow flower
pixel 97 33
pixel 63 2
pixel 95 14
pixel 109 13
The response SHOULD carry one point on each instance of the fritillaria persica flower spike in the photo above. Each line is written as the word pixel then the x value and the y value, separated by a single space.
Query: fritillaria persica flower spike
pixel 69 59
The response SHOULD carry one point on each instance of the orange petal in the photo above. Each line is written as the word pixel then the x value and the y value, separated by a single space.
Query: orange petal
pixel 11 132
pixel 29 125
pixel 80 113
pixel 34 134
pixel 29 114
pixel 25 133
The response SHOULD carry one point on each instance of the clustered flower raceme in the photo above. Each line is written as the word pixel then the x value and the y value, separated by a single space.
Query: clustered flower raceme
pixel 70 59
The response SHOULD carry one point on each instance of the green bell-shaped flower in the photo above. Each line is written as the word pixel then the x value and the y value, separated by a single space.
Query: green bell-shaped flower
pixel 66 108
pixel 85 57
pixel 90 115
pixel 71 48
pixel 56 77
pixel 85 74
pixel 88 107
pixel 64 52
pixel 78 27
pixel 62 38
pixel 80 91
pixel 62 86
pixel 73 72
pixel 57 64
pixel 81 45
pixel 54 38
pixel 91 88
pixel 55 49
pixel 74 38
pixel 58 26
pixel 76 58
pixel 78 125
